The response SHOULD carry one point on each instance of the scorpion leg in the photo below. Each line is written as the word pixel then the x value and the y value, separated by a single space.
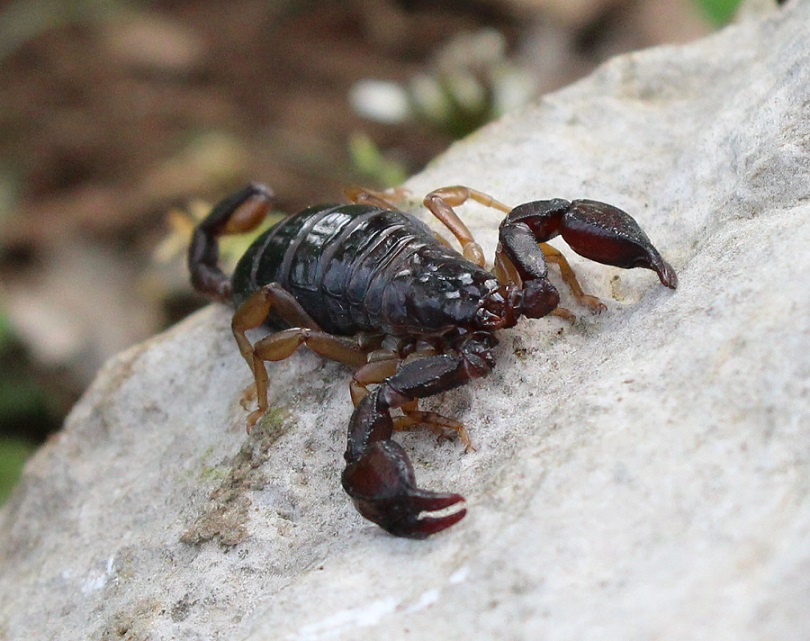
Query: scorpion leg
pixel 280 345
pixel 441 201
pixel 376 198
pixel 378 476
pixel 369 374
pixel 236 214
pixel 554 255
pixel 415 418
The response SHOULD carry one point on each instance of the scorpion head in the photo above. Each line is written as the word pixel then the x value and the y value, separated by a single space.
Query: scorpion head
pixel 503 306
pixel 497 309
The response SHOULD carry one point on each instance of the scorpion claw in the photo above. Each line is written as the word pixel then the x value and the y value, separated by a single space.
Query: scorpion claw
pixel 381 484
pixel 403 516
pixel 428 525
pixel 426 501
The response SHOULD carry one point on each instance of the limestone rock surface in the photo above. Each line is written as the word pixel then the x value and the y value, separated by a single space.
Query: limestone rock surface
pixel 642 474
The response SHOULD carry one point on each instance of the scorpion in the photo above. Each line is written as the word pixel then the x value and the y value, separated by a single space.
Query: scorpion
pixel 373 287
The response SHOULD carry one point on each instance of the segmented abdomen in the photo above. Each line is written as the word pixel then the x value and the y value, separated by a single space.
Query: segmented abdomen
pixel 335 260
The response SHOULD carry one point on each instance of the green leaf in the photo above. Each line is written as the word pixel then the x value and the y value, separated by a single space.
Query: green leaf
pixel 13 454
pixel 368 160
pixel 719 12
pixel 6 332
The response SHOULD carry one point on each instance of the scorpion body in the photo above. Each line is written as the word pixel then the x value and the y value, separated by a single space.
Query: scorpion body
pixel 374 288
pixel 351 268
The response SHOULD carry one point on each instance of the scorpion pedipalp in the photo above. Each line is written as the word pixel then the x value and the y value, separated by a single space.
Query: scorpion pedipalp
pixel 596 230
pixel 378 476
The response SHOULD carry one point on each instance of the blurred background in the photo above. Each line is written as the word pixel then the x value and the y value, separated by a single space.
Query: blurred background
pixel 121 119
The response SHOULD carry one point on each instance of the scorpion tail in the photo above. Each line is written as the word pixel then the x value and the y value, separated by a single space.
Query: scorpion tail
pixel 236 214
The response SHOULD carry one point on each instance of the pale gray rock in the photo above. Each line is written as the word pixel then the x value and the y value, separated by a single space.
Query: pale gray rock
pixel 642 474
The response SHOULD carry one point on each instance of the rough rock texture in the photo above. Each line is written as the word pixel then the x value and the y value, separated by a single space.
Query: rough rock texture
pixel 643 474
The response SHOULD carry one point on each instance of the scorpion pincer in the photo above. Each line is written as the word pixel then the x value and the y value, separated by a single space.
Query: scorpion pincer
pixel 373 287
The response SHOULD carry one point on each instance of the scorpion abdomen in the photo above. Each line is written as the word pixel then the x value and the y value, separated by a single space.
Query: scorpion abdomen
pixel 335 260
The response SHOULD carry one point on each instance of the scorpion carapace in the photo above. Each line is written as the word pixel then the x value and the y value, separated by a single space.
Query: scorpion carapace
pixel 374 288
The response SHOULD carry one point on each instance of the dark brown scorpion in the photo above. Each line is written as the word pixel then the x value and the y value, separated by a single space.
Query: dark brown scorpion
pixel 374 288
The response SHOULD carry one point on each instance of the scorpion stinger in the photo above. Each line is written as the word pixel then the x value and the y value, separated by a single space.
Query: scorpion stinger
pixel 237 214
